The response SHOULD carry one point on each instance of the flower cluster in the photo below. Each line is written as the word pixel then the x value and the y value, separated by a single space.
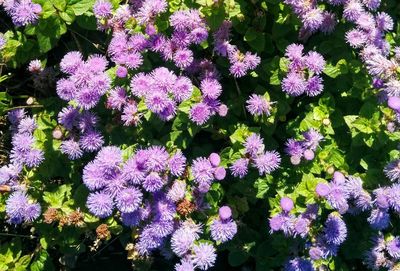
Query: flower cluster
pixel 149 190
pixel 81 133
pixel 384 253
pixel 162 90
pixel 254 155
pixel 24 151
pixel 223 228
pixel 19 207
pixel 348 196
pixel 22 12
pixel 298 149
pixel 290 224
pixel 304 71
pixel 313 18
pixel 206 170
pixel 87 81
pixel 324 243
pixel 241 63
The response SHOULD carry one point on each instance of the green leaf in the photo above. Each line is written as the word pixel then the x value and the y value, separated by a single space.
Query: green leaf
pixel 56 198
pixel 59 4
pixel 80 6
pixel 334 71
pixel 237 257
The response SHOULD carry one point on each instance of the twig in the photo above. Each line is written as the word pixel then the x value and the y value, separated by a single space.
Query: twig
pixel 83 37
pixel 77 42
pixel 25 106
pixel 240 95
pixel 17 235
pixel 109 243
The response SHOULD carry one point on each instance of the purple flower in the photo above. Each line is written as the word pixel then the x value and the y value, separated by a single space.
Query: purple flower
pixel 153 182
pixel 121 72
pixel 100 204
pixel 335 231
pixel 68 117
pixel 276 223
pixel 312 19
pixel 66 89
pixel 102 9
pixel 130 114
pixel 219 173
pixel 117 98
pixel 254 145
pixel 312 139
pixel 299 264
pixel 322 189
pixel 393 248
pixel 225 213
pixel 379 219
pixel 267 162
pixel 294 148
pixel 294 52
pixel 316 253
pixel 315 62
pixel 34 158
pixel 257 105
pixel 223 230
pixel 72 149
pixel 177 191
pixel 314 86
pixel 184 265
pixel 92 177
pixel 294 85
pixel 134 170
pixel 356 38
pixel 183 58
pixel 240 167
pixel 71 62
pixel 182 89
pixel 202 170
pixel 91 141
pixel 392 171
pixel 211 88
pixel 24 12
pixel 214 159
pixel 35 66
pixel 128 200
pixel 200 113
pixel 19 209
pixel 177 164
pixel 16 115
pixel 286 204
pixel 204 256
pixel 131 219
pixel 182 240
pixel 301 227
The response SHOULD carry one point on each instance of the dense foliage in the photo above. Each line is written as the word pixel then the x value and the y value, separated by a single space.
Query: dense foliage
pixel 199 135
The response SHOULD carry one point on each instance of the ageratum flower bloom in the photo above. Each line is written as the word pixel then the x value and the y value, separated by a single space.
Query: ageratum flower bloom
pixel 204 255
pixel 335 231
pixel 298 264
pixel 100 204
pixel 258 105
pixel 19 208
pixel 24 12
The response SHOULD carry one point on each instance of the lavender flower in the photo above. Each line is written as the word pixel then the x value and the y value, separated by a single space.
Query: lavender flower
pixel 335 231
pixel 257 105
pixel 100 204
pixel 204 256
